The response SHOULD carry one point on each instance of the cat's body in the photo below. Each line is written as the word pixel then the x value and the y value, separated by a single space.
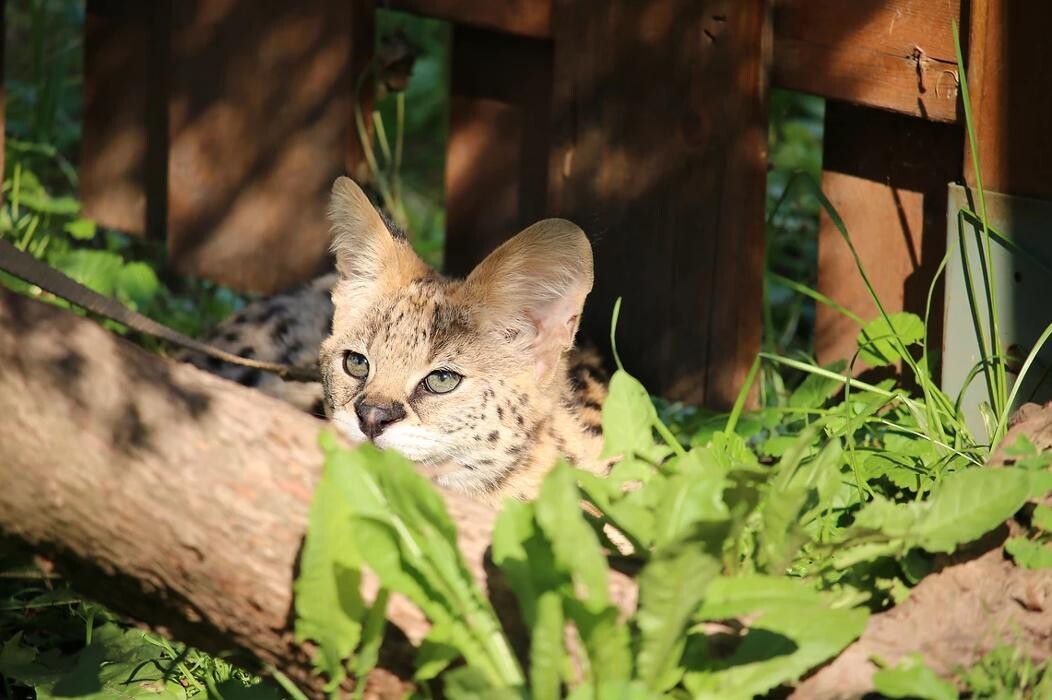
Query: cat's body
pixel 475 378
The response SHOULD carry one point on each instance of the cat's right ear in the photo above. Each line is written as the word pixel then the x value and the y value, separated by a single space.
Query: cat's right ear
pixel 368 256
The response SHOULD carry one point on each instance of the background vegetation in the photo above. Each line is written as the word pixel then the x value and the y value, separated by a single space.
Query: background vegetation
pixel 828 502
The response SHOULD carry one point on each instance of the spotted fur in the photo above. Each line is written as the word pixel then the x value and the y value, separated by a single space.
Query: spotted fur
pixel 527 397
pixel 286 328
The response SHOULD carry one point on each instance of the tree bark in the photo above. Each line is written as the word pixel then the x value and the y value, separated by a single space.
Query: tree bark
pixel 172 496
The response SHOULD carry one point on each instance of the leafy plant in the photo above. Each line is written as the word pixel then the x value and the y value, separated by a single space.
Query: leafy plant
pixel 750 574
pixel 1008 672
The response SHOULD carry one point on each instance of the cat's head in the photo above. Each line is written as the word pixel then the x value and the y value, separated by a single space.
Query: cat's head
pixel 460 372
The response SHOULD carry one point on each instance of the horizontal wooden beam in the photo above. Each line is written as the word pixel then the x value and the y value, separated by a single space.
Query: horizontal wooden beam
pixel 890 54
pixel 532 18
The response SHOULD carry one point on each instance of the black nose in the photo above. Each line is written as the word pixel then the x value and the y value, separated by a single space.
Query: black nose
pixel 375 417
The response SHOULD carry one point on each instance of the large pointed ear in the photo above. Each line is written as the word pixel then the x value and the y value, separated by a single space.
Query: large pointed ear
pixel 532 289
pixel 369 257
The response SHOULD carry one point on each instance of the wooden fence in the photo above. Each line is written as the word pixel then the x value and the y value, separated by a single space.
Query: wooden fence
pixel 221 123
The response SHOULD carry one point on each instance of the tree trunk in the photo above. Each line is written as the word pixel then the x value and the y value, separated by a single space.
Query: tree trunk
pixel 170 495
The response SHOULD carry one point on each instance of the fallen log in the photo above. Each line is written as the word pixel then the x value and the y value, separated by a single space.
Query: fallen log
pixel 172 496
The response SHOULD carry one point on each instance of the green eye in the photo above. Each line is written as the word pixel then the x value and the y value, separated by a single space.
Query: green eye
pixel 442 381
pixel 355 364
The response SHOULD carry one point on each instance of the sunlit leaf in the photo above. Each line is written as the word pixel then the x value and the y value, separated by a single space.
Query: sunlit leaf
pixel 881 344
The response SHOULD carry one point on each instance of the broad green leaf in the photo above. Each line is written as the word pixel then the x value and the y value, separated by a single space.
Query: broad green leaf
pixel 547 654
pixel 776 445
pixel 329 608
pixel 117 664
pixel 96 269
pixel 965 506
pixel 513 527
pixel 800 491
pixel 1042 518
pixel 81 229
pixel 782 534
pixel 670 589
pixel 470 684
pixel 578 554
pixel 1024 455
pixel 137 283
pixel 576 547
pixel 894 520
pixel 628 419
pixel 612 690
pixel 1029 554
pixel 372 635
pixel 736 596
pixel 528 563
pixel 876 341
pixel 606 639
pixel 16 659
pixel 434 656
pixel 626 512
pixel 816 389
pixel 970 503
pixel 692 496
pixel 791 631
pixel 912 679
pixel 403 532
pixel 46 204
pixel 896 469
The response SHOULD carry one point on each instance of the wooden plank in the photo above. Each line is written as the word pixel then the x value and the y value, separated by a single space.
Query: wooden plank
pixel 896 55
pixel 893 54
pixel 122 136
pixel 1012 96
pixel 886 175
pixel 661 154
pixel 532 18
pixel 497 152
pixel 260 122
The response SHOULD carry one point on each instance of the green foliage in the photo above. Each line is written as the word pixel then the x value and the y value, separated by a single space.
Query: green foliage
pixel 1008 672
pixel 797 551
pixel 1030 554
pixel 57 645
pixel 880 342
pixel 912 679
pixel 114 664
pixel 794 146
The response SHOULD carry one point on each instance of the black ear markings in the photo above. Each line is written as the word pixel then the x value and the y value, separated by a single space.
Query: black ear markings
pixel 396 232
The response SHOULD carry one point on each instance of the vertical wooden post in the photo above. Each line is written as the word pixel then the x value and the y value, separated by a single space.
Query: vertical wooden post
pixel 222 125
pixel 886 175
pixel 122 137
pixel 497 152
pixel 1008 58
pixel 661 154
pixel 260 124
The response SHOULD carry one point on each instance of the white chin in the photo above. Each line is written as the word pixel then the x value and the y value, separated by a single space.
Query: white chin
pixel 411 441
pixel 414 442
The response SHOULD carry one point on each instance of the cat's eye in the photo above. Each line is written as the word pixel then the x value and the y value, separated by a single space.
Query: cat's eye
pixel 355 364
pixel 442 381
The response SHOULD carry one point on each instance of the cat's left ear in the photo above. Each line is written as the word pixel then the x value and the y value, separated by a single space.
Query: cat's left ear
pixel 532 289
